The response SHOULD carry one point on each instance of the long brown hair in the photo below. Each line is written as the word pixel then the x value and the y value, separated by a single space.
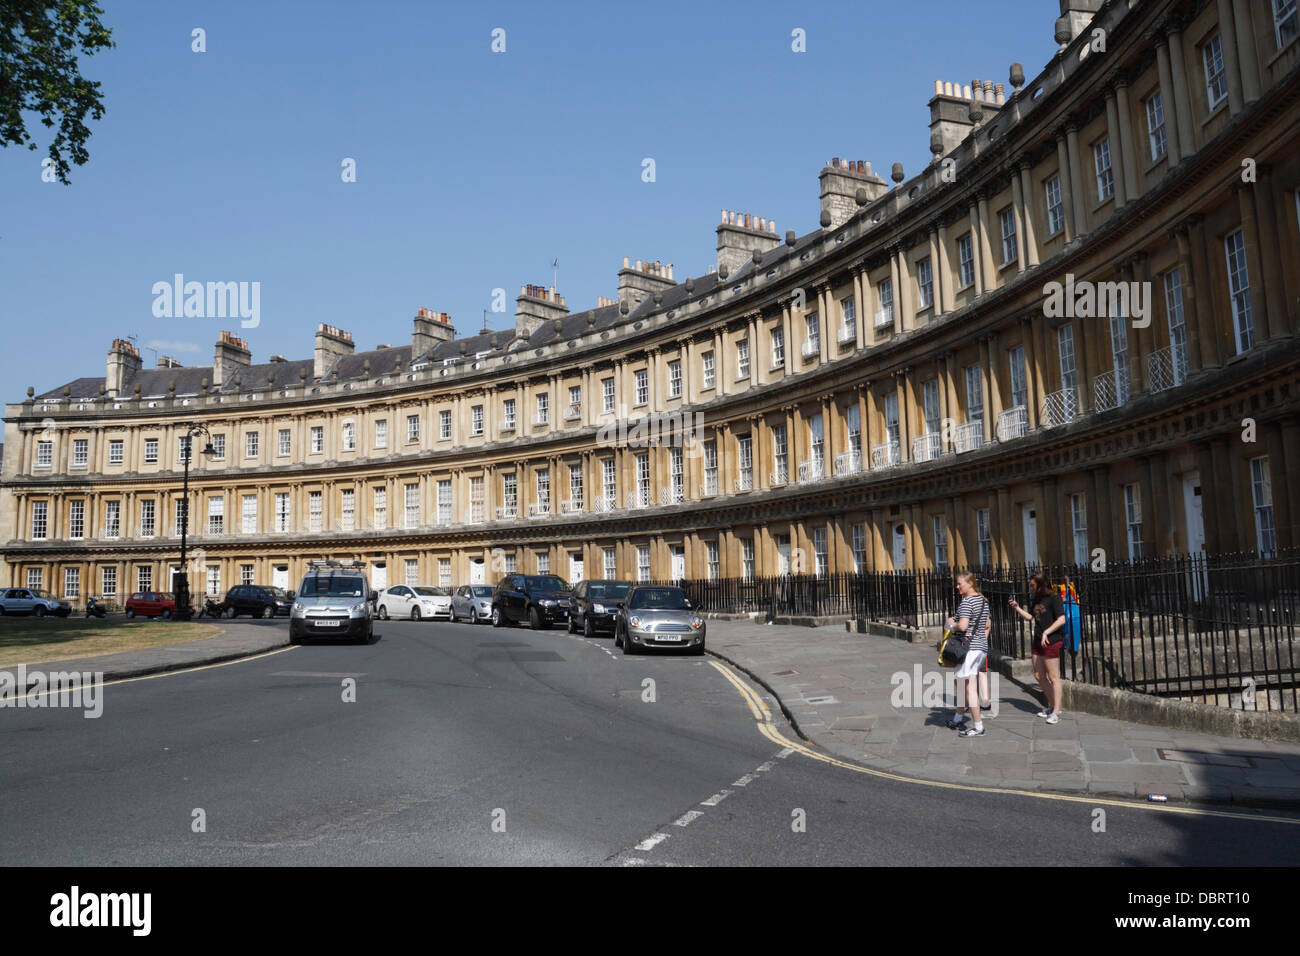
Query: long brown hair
pixel 1042 584
pixel 969 577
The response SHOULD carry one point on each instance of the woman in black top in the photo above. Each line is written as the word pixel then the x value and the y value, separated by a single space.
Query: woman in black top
pixel 1047 612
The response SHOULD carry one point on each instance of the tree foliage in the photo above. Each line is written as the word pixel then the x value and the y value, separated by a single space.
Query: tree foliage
pixel 40 41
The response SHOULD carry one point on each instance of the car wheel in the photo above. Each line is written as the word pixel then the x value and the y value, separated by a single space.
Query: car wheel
pixel 572 629
pixel 39 610
pixel 167 614
pixel 628 649
pixel 415 614
pixel 130 612
pixel 230 612
pixel 534 619
pixel 451 616
pixel 587 629
pixel 496 617
pixel 383 612
pixel 268 612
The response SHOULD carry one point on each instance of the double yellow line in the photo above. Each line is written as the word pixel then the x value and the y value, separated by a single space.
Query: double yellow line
pixel 767 727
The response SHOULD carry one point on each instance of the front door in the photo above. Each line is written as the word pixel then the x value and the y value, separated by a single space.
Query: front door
pixel 679 564
pixel 1029 520
pixel 280 576
pixel 378 575
pixel 1195 532
pixel 478 571
pixel 575 567
pixel 900 547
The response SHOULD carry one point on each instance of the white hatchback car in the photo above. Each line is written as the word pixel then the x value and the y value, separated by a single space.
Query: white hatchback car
pixel 414 602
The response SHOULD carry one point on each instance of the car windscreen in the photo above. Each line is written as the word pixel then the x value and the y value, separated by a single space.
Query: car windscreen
pixel 608 592
pixel 430 592
pixel 37 592
pixel 543 583
pixel 280 593
pixel 482 590
pixel 321 585
pixel 667 599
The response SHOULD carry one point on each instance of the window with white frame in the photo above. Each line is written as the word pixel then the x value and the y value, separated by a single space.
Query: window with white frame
pixel 1019 390
pixel 182 517
pixel 939 529
pixel 607 396
pixel 853 425
pixel 542 482
pixel 610 560
pixel 151 451
pixel 217 515
pixel 543 401
pixel 642 387
pixel 778 341
pixel 144 578
pixel 218 447
pixel 444 573
pixel 1177 324
pixel 575 399
pixel 285 443
pixel 476 500
pixel 966 260
pixel 886 293
pixel 1055 207
pixel 1133 521
pixel 381 433
pixel 608 482
pixel 412 429
pixel 45 453
pixel 1119 351
pixel 510 493
pixel 1101 165
pixel 512 562
pixel 1216 80
pixel 674 379
pixel 543 559
pixel 676 475
pixel 317 439
pixel 780 453
pixel 711 467
pixel 80 452
pixel 250 445
pixel 643 479
pixel 347 509
pixel 984 537
pixel 1156 140
pixel 214 579
pixel 747 558
pixel 925 282
pixel 744 459
pixel 76 518
pixel 282 514
pixel 891 417
pixel 183 448
pixel 412 572
pixel 706 361
pixel 1243 320
pixel 108 581
pixel 782 543
pixel 248 514
pixel 349 436
pixel 1285 24
pixel 1079 528
pixel 930 406
pixel 849 317
pixel 72 582
pixel 444 501
pixel 112 519
pixel 115 454
pixel 711 560
pixel 816 444
pixel 742 359
pixel 643 562
pixel 813 324
pixel 147 510
pixel 1007 220
pixel 1261 492
pixel 246 574
pixel 508 418
pixel 476 420
pixel 859 536
pixel 315 510
pixel 820 555
pixel 35 578
pixel 40 520
pixel 575 486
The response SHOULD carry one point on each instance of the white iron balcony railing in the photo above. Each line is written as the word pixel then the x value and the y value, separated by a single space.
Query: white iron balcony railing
pixel 603 503
pixel 1060 408
pixel 745 481
pixel 1167 368
pixel 474 514
pixel 573 413
pixel 507 426
pixel 1013 423
pixel 1110 389
pixel 884 317
pixel 571 506
pixel 810 348
pixel 968 437
pixel 710 486
pixel 541 419
pixel 882 456
pixel 927 447
pixel 639 498
pixel 539 508
pixel 848 463
pixel 507 511
pixel 847 334
pixel 780 476
pixel 814 469
pixel 672 495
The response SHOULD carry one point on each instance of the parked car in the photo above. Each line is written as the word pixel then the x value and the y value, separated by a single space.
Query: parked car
pixel 594 604
pixel 33 601
pixel 539 599
pixel 413 601
pixel 334 601
pixel 472 602
pixel 256 600
pixel 656 616
pixel 153 604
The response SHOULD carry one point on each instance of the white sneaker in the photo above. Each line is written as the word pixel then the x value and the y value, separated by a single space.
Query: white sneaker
pixel 1054 718
pixel 1044 713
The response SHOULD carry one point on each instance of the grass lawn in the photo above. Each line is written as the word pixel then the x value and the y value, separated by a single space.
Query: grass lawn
pixel 28 640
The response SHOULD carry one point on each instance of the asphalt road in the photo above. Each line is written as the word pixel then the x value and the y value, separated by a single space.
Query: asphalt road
pixel 473 745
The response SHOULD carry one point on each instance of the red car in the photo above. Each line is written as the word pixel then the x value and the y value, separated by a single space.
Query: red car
pixel 152 604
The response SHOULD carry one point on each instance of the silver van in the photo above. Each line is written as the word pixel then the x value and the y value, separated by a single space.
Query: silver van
pixel 334 601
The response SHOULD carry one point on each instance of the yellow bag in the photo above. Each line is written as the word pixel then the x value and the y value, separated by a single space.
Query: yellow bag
pixel 953 648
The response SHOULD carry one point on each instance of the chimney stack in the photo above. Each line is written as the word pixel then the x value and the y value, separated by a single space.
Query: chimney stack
pixel 950 110
pixel 636 281
pixel 431 329
pixel 1074 19
pixel 331 345
pixel 123 363
pixel 739 237
pixel 535 305
pixel 232 354
pixel 840 181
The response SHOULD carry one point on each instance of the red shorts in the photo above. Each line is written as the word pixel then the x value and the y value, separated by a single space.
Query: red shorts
pixel 1051 651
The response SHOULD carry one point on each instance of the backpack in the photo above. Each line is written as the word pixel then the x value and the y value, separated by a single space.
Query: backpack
pixel 956 644
pixel 1073 617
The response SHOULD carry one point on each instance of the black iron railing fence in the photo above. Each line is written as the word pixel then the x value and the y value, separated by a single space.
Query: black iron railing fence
pixel 1219 629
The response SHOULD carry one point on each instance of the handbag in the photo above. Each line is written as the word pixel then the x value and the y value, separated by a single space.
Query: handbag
pixel 955 644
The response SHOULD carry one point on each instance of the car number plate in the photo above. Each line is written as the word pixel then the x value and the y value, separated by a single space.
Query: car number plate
pixel 668 637
pixel 327 623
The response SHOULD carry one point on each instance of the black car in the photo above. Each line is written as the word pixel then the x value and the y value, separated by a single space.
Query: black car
pixel 594 605
pixel 257 601
pixel 539 599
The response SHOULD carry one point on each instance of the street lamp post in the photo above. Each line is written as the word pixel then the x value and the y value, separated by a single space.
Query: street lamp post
pixel 182 583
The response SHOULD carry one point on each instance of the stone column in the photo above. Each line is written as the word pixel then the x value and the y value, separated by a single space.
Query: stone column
pixel 936 295
pixel 1065 179
pixel 1169 96
pixel 896 286
pixel 1020 215
pixel 1247 61
pixel 1182 96
pixel 1117 163
pixel 1287 463
pixel 943 279
pixel 1271 267
pixel 995 385
pixel 986 250
pixel 1048 505
pixel 1027 214
pixel 903 295
pixel 1191 305
pixel 824 341
pixel 1266 325
pixel 1231 64
pixel 1077 178
pixel 868 309
pixel 754 326
pixel 986 391
pixel 1003 528
pixel 975 249
pixel 789 341
pixel 1132 186
pixel 859 327
pixel 900 386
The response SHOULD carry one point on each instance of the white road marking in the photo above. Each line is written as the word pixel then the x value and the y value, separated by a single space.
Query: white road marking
pixel 685 819
pixel 650 842
pixel 784 752
pixel 717 798
pixel 763 768
pixel 634 861
pixel 744 781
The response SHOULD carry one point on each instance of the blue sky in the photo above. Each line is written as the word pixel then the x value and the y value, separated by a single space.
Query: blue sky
pixel 474 169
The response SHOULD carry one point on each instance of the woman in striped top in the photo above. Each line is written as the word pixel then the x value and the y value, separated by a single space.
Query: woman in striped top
pixel 973 619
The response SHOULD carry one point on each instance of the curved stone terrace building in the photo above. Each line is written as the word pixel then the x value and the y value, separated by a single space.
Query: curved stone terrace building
pixel 902 388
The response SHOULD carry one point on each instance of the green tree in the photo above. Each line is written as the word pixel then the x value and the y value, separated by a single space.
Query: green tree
pixel 39 44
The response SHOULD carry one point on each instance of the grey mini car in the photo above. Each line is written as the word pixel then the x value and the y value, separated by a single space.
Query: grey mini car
pixel 656 616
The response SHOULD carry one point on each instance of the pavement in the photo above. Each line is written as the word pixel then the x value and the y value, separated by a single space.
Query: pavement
pixel 882 702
